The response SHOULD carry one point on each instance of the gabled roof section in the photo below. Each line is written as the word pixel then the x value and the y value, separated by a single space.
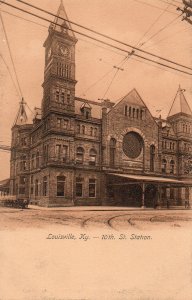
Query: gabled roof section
pixel 61 13
pixel 180 104
pixel 133 98
pixel 21 118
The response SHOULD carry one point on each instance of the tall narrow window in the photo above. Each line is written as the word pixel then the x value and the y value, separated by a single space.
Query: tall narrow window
pixel 92 188
pixel 92 157
pixel 133 112
pixel 172 167
pixel 83 129
pixel 91 131
pixel 112 150
pixel 65 124
pixel 137 113
pixel 37 160
pixel 68 96
pixel 62 97
pixel 65 153
pixel 79 187
pixel 129 111
pixel 57 96
pixel 126 110
pixel 59 122
pixel 164 166
pixel 36 187
pixel 80 155
pixel 45 186
pixel 32 183
pixel 95 131
pixel 58 151
pixel 60 186
pixel 152 158
pixel 33 161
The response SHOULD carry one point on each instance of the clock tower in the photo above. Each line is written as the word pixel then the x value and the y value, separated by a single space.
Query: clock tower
pixel 59 74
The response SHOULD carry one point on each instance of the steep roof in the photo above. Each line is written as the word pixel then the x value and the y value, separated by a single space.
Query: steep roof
pixel 61 13
pixel 180 104
pixel 21 117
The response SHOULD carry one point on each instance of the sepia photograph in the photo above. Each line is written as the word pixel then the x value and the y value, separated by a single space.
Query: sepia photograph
pixel 96 150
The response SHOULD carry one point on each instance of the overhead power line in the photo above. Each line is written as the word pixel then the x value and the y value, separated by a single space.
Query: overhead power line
pixel 10 53
pixel 154 6
pixel 86 28
pixel 108 44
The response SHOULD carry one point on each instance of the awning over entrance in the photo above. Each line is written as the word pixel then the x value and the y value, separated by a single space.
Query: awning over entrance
pixel 152 179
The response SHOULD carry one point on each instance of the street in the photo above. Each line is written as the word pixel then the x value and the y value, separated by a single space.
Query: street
pixel 88 218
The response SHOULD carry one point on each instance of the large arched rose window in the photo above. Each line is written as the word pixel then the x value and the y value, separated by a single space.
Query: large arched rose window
pixel 132 144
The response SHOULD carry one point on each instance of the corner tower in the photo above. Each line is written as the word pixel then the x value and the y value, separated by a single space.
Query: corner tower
pixel 59 74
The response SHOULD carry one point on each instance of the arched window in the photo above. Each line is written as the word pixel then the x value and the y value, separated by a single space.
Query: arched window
pixel 112 146
pixel 45 186
pixel 164 166
pixel 60 186
pixel 172 167
pixel 92 157
pixel 152 158
pixel 80 155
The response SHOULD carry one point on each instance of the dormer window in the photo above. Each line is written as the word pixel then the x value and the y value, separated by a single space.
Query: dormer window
pixel 86 110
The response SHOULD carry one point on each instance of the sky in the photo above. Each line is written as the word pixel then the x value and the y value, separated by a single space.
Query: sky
pixel 125 20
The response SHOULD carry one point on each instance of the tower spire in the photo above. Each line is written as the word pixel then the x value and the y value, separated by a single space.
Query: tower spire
pixel 21 118
pixel 61 14
pixel 180 104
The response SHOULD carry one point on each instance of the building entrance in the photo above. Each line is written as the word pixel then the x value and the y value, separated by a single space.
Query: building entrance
pixel 151 196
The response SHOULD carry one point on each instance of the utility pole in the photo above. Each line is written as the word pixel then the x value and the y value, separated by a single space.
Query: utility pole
pixel 186 11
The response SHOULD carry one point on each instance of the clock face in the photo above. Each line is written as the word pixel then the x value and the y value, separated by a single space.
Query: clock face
pixel 64 51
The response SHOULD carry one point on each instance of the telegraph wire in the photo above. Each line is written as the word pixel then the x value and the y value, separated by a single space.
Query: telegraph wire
pixel 160 30
pixel 151 5
pixel 101 34
pixel 18 94
pixel 10 53
pixel 139 45
pixel 108 49
pixel 151 26
pixel 165 38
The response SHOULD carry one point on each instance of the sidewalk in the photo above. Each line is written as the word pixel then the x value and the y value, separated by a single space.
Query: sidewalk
pixel 101 208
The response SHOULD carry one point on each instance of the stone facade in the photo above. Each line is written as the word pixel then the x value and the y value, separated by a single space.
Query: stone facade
pixel 70 156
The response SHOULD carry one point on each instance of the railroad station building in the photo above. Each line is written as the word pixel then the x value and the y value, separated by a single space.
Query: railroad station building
pixel 80 152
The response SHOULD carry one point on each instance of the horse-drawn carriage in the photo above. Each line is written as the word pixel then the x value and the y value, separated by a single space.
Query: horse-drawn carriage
pixel 13 201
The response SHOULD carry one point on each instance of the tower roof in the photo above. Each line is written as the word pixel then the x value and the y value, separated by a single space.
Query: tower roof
pixel 61 14
pixel 180 104
pixel 21 118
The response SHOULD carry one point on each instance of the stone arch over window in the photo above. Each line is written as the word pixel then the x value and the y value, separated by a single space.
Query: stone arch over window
pixel 172 166
pixel 80 155
pixel 112 150
pixel 164 166
pixel 92 157
pixel 152 158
